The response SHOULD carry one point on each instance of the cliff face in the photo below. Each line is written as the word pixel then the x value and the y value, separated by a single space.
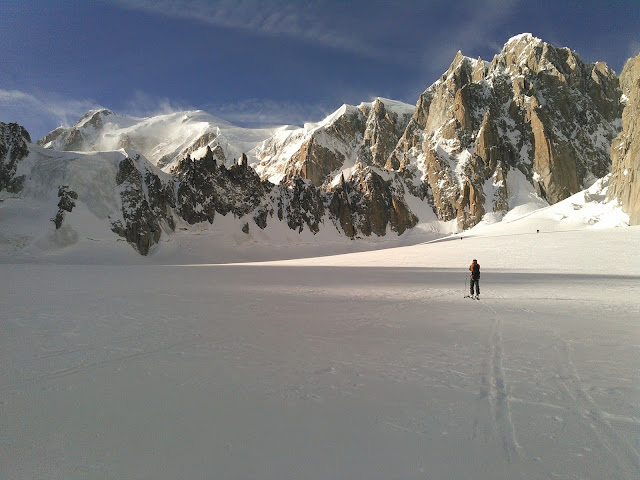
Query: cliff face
pixel 535 108
pixel 625 149
pixel 355 140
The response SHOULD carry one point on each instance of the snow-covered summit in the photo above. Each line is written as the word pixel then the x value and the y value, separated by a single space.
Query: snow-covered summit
pixel 164 139
pixel 522 38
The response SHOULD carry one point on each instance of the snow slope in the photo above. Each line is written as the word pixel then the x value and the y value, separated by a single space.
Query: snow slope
pixel 366 365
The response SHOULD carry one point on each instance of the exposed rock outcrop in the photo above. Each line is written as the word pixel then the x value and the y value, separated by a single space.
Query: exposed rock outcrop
pixel 206 140
pixel 13 148
pixel 625 149
pixel 146 204
pixel 367 204
pixel 77 137
pixel 205 188
pixel 298 204
pixel 366 133
pixel 384 127
pixel 66 204
pixel 535 108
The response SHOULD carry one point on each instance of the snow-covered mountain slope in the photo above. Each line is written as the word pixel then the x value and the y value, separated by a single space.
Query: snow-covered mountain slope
pixel 44 219
pixel 70 201
pixel 80 207
pixel 163 139
pixel 533 124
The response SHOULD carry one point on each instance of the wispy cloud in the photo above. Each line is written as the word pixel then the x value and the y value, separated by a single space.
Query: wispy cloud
pixel 252 112
pixel 40 113
pixel 266 113
pixel 373 30
pixel 275 17
pixel 142 104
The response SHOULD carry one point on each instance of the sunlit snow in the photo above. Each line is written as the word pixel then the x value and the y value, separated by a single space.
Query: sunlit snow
pixel 362 365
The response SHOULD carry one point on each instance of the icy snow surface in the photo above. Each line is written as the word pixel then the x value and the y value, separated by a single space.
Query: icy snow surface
pixel 368 365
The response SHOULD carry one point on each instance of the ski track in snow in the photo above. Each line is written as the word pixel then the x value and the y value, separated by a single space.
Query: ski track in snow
pixel 592 414
pixel 498 393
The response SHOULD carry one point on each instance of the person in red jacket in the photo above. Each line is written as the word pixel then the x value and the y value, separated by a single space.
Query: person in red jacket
pixel 474 268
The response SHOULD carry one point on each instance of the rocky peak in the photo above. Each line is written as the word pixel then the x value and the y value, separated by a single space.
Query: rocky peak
pixel 51 136
pixel 528 56
pixel 536 108
pixel 77 137
pixel 13 135
pixel 146 204
pixel 383 130
pixel 460 72
pixel 318 151
pixel 94 118
pixel 520 51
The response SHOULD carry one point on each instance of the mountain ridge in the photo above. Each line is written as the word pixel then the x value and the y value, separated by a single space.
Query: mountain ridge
pixel 534 123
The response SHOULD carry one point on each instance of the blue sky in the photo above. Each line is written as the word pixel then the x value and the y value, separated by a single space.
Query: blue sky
pixel 268 62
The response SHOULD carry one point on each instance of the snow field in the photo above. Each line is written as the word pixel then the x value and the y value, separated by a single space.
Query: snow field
pixel 367 365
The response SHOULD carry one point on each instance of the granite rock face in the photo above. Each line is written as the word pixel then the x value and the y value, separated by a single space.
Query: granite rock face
pixel 362 137
pixel 204 188
pixel 367 204
pixel 535 108
pixel 625 149
pixel 535 111
pixel 318 152
pixel 147 204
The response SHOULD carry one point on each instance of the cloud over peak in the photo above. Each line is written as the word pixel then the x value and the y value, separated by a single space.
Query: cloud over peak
pixel 39 111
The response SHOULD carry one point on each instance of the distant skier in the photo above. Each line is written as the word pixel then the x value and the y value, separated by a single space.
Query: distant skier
pixel 474 268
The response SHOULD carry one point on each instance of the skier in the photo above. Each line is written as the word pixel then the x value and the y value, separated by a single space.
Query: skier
pixel 474 268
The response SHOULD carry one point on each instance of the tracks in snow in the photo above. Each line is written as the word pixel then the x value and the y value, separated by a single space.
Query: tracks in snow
pixel 585 408
pixel 495 390
pixel 498 393
pixel 611 443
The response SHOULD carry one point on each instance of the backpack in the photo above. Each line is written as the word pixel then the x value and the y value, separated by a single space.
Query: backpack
pixel 475 272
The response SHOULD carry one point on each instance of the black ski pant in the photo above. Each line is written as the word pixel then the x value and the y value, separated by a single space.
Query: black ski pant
pixel 476 282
